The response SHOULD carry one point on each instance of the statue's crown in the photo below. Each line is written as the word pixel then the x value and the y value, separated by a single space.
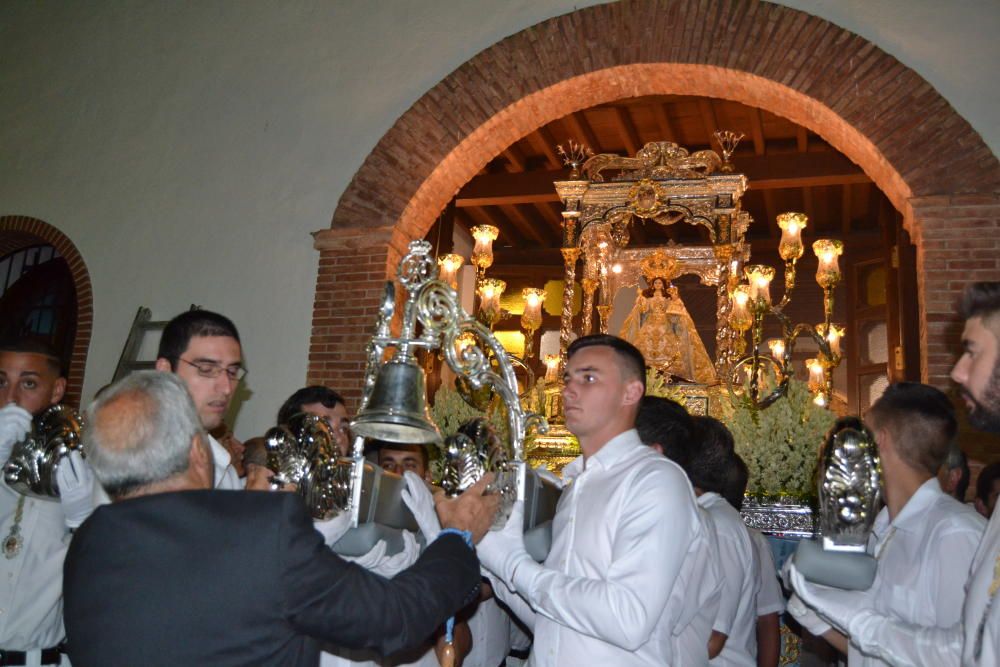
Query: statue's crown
pixel 659 265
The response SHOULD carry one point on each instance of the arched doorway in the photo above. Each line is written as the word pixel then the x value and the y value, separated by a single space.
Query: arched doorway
pixel 860 100
pixel 46 292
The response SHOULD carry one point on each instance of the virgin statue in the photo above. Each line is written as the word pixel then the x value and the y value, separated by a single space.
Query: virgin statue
pixel 660 326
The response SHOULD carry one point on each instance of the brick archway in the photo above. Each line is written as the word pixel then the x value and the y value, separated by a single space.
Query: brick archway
pixel 927 159
pixel 19 231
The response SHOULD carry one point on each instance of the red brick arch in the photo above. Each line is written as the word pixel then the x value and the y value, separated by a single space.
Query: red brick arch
pixel 929 161
pixel 20 231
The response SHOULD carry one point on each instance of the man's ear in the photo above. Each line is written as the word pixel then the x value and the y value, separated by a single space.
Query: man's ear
pixel 981 507
pixel 658 447
pixel 634 391
pixel 163 365
pixel 58 390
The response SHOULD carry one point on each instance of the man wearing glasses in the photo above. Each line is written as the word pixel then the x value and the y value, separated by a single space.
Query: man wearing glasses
pixel 203 349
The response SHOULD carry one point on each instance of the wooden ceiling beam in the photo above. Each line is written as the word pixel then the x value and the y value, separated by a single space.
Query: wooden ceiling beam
pixel 529 228
pixel 772 214
pixel 708 119
pixel 626 128
pixel 579 126
pixel 482 215
pixel 801 139
pixel 666 128
pixel 757 132
pixel 544 141
pixel 773 172
pixel 845 210
pixel 517 161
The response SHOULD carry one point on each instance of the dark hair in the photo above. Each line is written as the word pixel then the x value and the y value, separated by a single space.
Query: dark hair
pixel 326 397
pixel 921 421
pixel 666 423
pixel 179 331
pixel 35 345
pixel 634 363
pixel 957 459
pixel 736 481
pixel 984 483
pixel 981 299
pixel 711 455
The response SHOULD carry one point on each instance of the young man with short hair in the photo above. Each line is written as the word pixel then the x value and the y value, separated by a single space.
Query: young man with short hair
pixel 322 402
pixel 203 349
pixel 597 599
pixel 35 532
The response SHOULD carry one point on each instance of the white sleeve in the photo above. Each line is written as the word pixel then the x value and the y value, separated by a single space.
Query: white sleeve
pixel 517 605
pixel 623 607
pixel 732 566
pixel 769 599
pixel 903 644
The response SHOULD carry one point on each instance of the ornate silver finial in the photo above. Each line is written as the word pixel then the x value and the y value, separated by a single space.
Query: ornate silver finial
pixel 574 157
pixel 728 141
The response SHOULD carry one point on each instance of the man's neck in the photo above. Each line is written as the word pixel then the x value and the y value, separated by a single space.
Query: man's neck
pixel 180 482
pixel 901 482
pixel 590 445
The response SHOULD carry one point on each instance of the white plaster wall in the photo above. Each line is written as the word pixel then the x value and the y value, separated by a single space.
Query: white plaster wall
pixel 188 149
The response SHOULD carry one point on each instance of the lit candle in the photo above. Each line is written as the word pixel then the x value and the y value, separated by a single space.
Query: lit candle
pixel 741 317
pixel 832 337
pixel 616 268
pixel 490 290
pixel 777 347
pixel 827 252
pixel 791 224
pixel 759 277
pixel 817 378
pixel 551 367
pixel 482 254
pixel 531 319
pixel 448 267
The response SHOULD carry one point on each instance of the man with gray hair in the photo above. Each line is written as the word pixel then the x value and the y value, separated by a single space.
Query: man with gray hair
pixel 146 577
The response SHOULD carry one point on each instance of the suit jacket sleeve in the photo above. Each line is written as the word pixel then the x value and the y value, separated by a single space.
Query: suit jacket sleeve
pixel 333 600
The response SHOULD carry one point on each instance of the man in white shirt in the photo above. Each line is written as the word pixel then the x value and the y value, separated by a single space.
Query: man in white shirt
pixel 770 599
pixel 203 349
pixel 35 532
pixel 923 538
pixel 602 596
pixel 667 427
pixel 734 632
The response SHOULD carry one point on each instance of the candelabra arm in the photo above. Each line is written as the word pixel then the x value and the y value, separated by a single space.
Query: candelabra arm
pixel 789 283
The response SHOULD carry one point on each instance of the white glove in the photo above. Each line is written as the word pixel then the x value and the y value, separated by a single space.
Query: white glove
pixel 502 551
pixel 333 529
pixel 417 496
pixel 806 617
pixel 371 559
pixel 76 488
pixel 550 476
pixel 15 422
pixel 390 566
pixel 837 606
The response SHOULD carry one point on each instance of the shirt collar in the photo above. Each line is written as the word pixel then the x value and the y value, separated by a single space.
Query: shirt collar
pixel 708 498
pixel 220 454
pixel 612 452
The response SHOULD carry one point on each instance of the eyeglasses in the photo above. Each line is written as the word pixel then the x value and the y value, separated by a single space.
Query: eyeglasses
pixel 211 370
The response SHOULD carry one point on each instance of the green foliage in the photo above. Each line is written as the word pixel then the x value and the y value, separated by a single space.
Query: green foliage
pixel 780 443
pixel 450 411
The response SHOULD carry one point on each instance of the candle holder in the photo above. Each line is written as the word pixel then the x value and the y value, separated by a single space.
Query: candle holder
pixel 448 266
pixel 751 303
pixel 531 318
pixel 482 254
pixel 490 291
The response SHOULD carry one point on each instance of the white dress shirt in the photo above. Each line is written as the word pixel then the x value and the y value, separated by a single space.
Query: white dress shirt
pixel 622 531
pixel 225 474
pixel 697 599
pixel 924 556
pixel 737 618
pixel 31 586
pixel 770 600
pixel 981 614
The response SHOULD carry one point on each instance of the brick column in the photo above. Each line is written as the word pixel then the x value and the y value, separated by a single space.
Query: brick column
pixel 958 242
pixel 353 268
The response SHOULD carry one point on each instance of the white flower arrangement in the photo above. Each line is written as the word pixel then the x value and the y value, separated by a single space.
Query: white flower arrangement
pixel 780 444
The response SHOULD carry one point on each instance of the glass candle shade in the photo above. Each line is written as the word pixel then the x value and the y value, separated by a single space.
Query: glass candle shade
pixel 759 279
pixel 490 290
pixel 832 337
pixel 534 297
pixel 551 368
pixel 791 224
pixel 482 254
pixel 827 252
pixel 817 377
pixel 777 348
pixel 448 266
pixel 741 318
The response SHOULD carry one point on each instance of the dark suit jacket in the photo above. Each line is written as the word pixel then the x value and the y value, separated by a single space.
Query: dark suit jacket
pixel 241 578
